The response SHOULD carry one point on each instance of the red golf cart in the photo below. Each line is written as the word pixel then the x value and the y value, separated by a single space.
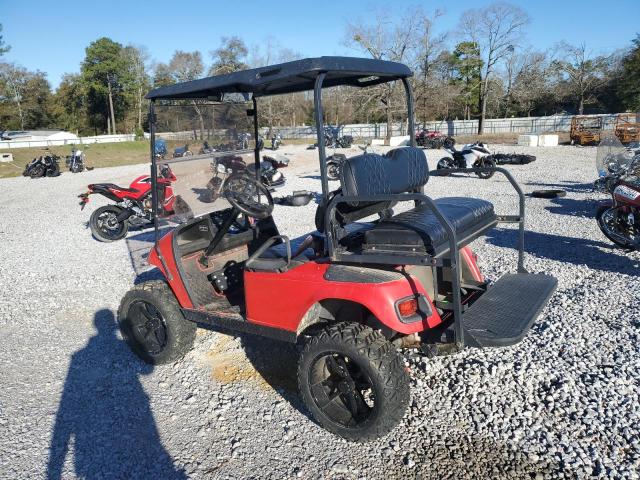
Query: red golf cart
pixel 357 290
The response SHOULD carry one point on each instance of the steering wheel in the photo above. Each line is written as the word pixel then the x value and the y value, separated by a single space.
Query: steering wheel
pixel 248 195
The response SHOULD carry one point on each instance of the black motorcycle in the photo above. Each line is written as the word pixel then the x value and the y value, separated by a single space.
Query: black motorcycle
pixel 333 138
pixel 43 166
pixel 76 161
pixel 276 141
pixel 182 152
pixel 225 167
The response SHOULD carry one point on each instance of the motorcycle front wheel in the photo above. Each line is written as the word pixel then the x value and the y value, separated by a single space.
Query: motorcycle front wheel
pixel 105 226
pixel 445 163
pixel 485 163
pixel 608 224
pixel 37 171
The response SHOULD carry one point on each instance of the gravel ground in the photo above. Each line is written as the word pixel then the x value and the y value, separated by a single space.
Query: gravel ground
pixel 75 402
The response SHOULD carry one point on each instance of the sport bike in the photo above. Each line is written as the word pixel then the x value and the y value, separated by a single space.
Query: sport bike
pixel 133 205
pixel 473 155
pixel 619 177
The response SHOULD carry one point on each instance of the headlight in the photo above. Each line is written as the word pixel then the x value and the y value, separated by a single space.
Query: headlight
pixel 221 168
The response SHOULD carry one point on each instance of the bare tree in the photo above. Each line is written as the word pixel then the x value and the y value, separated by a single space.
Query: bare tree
pixel 581 73
pixel 497 29
pixel 13 79
pixel 137 59
pixel 385 40
pixel 429 48
pixel 528 84
pixel 185 66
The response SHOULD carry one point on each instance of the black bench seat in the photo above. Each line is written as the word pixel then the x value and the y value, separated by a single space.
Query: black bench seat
pixel 418 230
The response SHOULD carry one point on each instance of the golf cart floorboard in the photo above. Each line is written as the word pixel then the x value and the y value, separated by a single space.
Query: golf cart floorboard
pixel 504 313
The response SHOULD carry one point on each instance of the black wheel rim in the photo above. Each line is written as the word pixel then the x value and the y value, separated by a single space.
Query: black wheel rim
pixel 108 224
pixel 611 227
pixel 333 171
pixel 342 390
pixel 148 327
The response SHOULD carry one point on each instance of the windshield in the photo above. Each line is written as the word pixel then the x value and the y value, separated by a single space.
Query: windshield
pixel 198 145
pixel 612 157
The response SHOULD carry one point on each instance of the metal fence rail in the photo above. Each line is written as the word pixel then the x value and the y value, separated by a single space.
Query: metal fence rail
pixel 555 123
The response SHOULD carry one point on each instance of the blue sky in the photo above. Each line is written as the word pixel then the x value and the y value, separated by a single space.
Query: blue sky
pixel 51 36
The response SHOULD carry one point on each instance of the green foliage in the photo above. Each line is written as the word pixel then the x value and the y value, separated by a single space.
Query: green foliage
pixel 628 85
pixel 4 48
pixel 24 98
pixel 105 64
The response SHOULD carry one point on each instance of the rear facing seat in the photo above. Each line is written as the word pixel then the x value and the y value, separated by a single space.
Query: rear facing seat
pixel 416 230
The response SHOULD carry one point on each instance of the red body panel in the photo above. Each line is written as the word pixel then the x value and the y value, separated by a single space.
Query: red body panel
pixel 281 300
pixel 165 246
pixel 305 285
pixel 627 194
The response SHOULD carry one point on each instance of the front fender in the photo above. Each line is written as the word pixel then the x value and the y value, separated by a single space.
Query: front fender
pixel 167 266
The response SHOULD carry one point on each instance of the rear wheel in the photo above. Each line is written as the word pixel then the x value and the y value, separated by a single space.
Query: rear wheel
pixel 153 325
pixel 353 381
pixel 105 226
pixel 333 170
pixel 485 163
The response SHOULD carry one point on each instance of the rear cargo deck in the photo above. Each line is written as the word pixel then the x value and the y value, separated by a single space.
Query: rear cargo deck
pixel 505 312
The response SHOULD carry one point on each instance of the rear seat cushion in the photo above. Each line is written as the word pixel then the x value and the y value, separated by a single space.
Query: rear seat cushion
pixel 398 171
pixel 418 229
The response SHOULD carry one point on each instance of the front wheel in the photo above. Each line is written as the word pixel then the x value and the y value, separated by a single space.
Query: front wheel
pixel 485 163
pixel 353 381
pixel 446 163
pixel 609 225
pixel 333 170
pixel 105 226
pixel 36 171
pixel 152 324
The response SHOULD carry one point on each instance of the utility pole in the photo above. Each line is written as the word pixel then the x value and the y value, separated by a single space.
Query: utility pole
pixel 113 118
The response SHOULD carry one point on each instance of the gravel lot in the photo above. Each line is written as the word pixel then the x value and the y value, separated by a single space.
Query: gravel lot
pixel 74 402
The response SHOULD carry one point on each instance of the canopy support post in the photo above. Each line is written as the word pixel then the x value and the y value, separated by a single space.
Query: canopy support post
pixel 317 101
pixel 256 134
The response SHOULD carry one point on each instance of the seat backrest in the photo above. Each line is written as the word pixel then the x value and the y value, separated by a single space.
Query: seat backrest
pixel 398 171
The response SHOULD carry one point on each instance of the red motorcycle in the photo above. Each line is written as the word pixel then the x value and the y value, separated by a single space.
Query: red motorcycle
pixel 133 205
pixel 619 170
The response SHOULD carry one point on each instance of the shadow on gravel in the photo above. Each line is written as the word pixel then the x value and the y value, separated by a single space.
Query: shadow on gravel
pixel 573 207
pixel 277 364
pixel 579 251
pixel 568 186
pixel 104 421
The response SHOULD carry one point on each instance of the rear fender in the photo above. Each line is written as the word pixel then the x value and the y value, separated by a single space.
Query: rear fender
pixel 168 267
pixel 297 299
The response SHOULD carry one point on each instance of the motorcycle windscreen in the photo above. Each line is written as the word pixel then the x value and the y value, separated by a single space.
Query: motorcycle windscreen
pixel 612 156
pixel 205 143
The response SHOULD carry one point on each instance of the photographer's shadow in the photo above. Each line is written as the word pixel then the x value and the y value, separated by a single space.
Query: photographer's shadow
pixel 104 420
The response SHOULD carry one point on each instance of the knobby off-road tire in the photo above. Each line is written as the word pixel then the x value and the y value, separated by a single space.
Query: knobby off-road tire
pixel 367 352
pixel 101 231
pixel 153 304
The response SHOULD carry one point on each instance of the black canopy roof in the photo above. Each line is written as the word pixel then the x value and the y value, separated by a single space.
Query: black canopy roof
pixel 296 76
